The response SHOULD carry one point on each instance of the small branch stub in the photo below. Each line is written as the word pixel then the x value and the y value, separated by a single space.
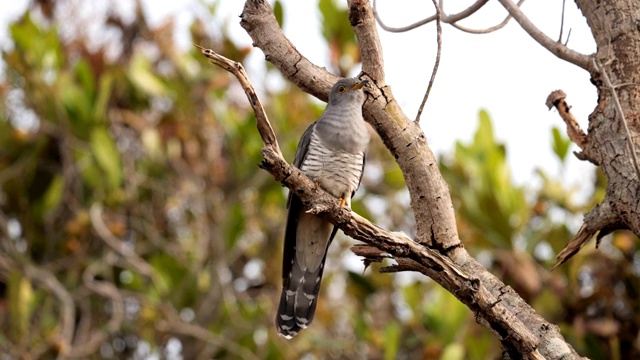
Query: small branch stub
pixel 557 99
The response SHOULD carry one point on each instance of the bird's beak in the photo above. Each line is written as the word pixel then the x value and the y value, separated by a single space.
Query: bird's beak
pixel 359 85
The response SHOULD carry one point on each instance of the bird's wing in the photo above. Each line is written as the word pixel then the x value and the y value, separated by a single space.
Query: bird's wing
pixel 364 160
pixel 301 152
pixel 305 250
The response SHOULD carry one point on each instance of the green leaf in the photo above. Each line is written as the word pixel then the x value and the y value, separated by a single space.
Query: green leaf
pixel 104 93
pixel 85 78
pixel 391 341
pixel 144 78
pixel 107 156
pixel 453 351
pixel 20 296
pixel 560 144
pixel 278 12
pixel 53 195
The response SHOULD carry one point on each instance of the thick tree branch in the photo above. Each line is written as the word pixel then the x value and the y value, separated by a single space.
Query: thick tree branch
pixel 437 236
pixel 430 198
pixel 370 47
pixel 488 309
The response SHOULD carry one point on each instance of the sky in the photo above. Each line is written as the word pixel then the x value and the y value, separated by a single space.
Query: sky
pixel 505 72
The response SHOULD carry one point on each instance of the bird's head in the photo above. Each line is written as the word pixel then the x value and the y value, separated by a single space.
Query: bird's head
pixel 348 91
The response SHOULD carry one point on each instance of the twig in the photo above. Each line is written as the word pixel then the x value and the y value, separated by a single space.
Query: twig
pixel 437 63
pixel 108 290
pixel 138 263
pixel 562 23
pixel 609 85
pixel 558 49
pixel 264 127
pixel 175 325
pixel 447 19
pixel 49 281
pixel 489 29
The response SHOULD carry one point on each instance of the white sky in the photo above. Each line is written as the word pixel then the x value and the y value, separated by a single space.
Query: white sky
pixel 505 72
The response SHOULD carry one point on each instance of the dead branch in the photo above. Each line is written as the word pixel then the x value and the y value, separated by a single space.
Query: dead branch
pixel 556 48
pixel 557 99
pixel 489 29
pixel 447 19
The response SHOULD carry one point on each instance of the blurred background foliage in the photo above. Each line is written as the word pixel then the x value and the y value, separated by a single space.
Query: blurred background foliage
pixel 135 223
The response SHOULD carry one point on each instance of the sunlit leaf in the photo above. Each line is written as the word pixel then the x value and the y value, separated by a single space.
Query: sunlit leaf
pixel 391 341
pixel 145 78
pixel 560 144
pixel 453 351
pixel 20 297
pixel 107 156
pixel 53 195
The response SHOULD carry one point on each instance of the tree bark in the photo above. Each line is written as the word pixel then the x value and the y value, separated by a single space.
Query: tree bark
pixel 612 140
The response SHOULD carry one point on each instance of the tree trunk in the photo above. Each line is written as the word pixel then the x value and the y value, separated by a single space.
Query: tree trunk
pixel 616 28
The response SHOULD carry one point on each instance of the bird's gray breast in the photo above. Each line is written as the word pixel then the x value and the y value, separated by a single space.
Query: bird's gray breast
pixel 337 171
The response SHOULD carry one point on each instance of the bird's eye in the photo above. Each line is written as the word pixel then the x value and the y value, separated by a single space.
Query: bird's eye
pixel 341 89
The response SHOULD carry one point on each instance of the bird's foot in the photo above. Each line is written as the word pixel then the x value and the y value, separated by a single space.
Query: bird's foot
pixel 343 202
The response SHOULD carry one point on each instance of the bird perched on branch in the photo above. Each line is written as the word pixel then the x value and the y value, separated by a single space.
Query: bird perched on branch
pixel 331 152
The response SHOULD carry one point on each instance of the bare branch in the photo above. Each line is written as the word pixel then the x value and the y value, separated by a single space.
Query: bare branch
pixel 175 325
pixel 562 23
pixel 98 337
pixel 489 29
pixel 264 127
pixel 447 19
pixel 556 48
pixel 138 263
pixel 276 46
pixel 51 283
pixel 437 63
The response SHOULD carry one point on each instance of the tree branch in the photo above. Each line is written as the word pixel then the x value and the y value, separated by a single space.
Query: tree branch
pixel 489 309
pixel 447 19
pixel 436 246
pixel 430 199
pixel 489 29
pixel 556 48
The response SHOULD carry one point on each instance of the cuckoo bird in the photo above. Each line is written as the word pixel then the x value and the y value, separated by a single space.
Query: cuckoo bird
pixel 331 152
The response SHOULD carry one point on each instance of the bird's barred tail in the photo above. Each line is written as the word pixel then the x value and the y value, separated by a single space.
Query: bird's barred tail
pixel 298 300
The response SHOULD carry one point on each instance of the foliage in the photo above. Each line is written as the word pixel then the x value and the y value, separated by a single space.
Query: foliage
pixel 135 222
